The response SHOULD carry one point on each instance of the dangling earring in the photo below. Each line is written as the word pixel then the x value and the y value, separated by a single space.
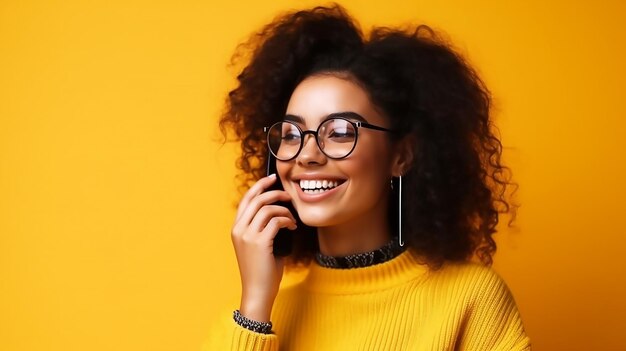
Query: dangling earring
pixel 400 211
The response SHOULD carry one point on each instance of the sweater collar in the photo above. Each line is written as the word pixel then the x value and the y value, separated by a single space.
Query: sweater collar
pixel 401 269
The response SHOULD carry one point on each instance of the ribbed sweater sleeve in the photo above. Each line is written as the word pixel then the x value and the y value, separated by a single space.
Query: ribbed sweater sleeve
pixel 226 335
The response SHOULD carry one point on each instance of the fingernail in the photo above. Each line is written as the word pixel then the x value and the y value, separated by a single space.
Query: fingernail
pixel 272 175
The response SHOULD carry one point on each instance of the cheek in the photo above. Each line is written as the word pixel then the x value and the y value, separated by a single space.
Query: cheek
pixel 372 160
pixel 369 172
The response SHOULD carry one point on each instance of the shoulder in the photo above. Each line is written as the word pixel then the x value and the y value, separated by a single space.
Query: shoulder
pixel 491 319
pixel 468 272
pixel 474 282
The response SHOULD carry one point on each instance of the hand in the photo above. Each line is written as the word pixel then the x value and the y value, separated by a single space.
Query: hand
pixel 256 225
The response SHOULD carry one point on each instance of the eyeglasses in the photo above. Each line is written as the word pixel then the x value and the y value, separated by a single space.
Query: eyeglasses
pixel 336 137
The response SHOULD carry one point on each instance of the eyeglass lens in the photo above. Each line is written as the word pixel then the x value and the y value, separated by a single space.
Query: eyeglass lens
pixel 336 138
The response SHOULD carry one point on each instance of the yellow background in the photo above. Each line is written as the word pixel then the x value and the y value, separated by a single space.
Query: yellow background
pixel 115 198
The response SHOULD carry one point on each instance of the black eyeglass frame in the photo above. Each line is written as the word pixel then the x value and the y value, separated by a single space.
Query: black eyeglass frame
pixel 315 133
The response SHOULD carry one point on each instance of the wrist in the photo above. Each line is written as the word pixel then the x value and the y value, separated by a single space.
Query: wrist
pixel 256 306
pixel 256 311
pixel 251 324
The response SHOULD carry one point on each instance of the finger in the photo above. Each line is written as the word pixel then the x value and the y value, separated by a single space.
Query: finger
pixel 255 205
pixel 272 227
pixel 266 212
pixel 241 225
pixel 254 191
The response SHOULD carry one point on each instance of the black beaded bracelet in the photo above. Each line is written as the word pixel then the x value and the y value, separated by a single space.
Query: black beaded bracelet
pixel 255 326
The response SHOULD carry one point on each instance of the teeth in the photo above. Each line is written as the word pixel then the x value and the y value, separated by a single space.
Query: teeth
pixel 317 186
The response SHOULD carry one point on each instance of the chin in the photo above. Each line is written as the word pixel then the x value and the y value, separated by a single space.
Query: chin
pixel 314 218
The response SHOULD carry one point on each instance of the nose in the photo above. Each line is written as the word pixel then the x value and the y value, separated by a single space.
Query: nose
pixel 310 153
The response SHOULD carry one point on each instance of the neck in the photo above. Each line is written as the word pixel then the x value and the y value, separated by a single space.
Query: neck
pixel 365 233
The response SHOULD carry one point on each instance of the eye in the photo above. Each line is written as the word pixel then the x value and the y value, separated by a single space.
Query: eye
pixel 291 136
pixel 341 133
pixel 290 133
pixel 338 131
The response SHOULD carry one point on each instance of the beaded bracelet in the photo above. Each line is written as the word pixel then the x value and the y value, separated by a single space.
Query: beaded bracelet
pixel 255 326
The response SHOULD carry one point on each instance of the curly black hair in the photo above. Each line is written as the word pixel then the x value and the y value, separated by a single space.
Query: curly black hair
pixel 455 189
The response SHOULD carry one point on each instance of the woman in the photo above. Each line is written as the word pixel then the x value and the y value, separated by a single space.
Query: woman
pixel 391 177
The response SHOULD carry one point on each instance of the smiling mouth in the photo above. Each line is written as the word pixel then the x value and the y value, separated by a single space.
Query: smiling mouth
pixel 318 186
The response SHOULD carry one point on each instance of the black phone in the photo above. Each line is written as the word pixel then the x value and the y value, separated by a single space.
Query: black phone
pixel 283 242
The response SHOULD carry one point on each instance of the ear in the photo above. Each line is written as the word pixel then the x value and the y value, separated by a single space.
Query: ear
pixel 403 156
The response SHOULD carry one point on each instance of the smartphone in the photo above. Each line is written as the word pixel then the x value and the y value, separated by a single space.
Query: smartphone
pixel 283 242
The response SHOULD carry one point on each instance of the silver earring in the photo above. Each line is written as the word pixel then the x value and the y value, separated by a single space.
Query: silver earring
pixel 400 211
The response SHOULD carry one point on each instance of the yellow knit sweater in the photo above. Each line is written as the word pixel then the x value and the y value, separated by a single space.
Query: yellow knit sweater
pixel 396 305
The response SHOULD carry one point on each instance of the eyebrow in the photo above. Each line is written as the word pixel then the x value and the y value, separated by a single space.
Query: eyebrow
pixel 346 114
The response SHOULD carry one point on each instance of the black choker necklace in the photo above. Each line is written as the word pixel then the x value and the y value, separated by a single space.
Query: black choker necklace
pixel 385 253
